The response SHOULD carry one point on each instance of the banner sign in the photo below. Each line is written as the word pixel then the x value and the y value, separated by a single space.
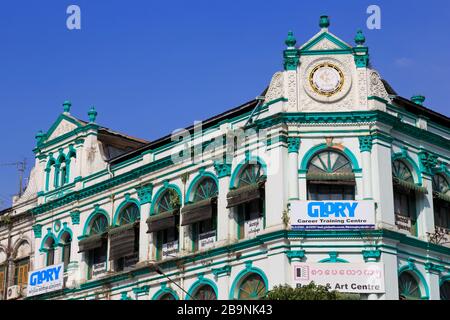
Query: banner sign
pixel 253 227
pixel 45 280
pixel 332 215
pixel 343 277
pixel 98 269
pixel 206 240
pixel 169 249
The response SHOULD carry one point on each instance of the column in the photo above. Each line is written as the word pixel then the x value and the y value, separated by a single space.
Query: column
pixel 293 147
pixel 145 198
pixel 224 233
pixel 432 277
pixel 365 146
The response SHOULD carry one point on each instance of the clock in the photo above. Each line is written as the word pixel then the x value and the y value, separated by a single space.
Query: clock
pixel 326 79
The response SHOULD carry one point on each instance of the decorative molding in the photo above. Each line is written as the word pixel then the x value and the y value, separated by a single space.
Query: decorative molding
pixel 371 255
pixel 37 229
pixel 293 144
pixel 432 267
pixel 223 271
pixel 427 162
pixel 222 169
pixel 141 290
pixel 365 143
pixel 145 193
pixel 296 255
pixel 75 216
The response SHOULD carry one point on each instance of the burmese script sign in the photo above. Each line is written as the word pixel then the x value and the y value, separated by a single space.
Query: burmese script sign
pixel 343 277
pixel 332 215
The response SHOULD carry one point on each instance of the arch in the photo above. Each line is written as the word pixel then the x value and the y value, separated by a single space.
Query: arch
pixel 161 191
pixel 322 147
pixel 441 183
pixel 200 283
pixel 164 291
pixel 71 154
pixel 196 181
pixel 48 236
pixel 423 286
pixel 96 212
pixel 18 244
pixel 333 260
pixel 65 229
pixel 3 255
pixel 406 158
pixel 242 276
pixel 248 160
pixel 123 205
pixel 442 281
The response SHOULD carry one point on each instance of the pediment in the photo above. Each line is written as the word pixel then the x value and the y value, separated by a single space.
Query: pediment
pixel 63 125
pixel 325 41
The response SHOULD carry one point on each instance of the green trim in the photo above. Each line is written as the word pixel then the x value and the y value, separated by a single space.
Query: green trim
pixel 411 267
pixel 404 155
pixel 242 275
pixel 333 258
pixel 343 47
pixel 124 203
pixel 164 291
pixel 96 212
pixel 161 191
pixel 322 147
pixel 248 159
pixel 199 283
pixel 196 180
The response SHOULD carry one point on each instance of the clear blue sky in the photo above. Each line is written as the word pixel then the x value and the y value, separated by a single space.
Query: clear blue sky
pixel 150 67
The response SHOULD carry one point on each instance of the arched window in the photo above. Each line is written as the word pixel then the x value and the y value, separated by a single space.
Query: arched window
pixel 445 290
pixel 50 249
pixel 330 177
pixel 50 174
pixel 124 239
pixel 167 296
pixel 248 199
pixel 22 264
pixel 252 288
pixel 63 172
pixel 201 214
pixel 408 287
pixel 96 245
pixel 66 242
pixel 165 223
pixel 441 202
pixel 404 197
pixel 205 292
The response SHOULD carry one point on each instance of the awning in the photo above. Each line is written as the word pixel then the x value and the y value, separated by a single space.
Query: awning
pixel 122 241
pixel 245 194
pixel 91 242
pixel 441 196
pixel 198 211
pixel 162 221
pixel 409 186
pixel 331 178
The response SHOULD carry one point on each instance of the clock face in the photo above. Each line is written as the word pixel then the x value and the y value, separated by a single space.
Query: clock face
pixel 326 79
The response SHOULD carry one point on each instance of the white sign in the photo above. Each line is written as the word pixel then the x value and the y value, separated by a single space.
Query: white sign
pixel 207 239
pixel 169 249
pixel 343 277
pixel 98 269
pixel 332 215
pixel 45 280
pixel 253 227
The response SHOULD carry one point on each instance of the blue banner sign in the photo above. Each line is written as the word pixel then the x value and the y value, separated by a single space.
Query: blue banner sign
pixel 45 280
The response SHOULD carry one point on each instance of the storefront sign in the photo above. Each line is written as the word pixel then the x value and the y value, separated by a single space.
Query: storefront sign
pixel 169 249
pixel 253 227
pixel 206 240
pixel 343 277
pixel 403 223
pixel 45 280
pixel 332 215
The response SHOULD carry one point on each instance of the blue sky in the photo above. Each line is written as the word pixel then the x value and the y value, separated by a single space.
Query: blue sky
pixel 150 67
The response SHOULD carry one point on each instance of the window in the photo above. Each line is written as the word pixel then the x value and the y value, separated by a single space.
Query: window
pixel 124 239
pixel 441 202
pixel 63 174
pixel 50 248
pixel 165 223
pixel 21 272
pixel 167 296
pixel 205 292
pixel 404 197
pixel 330 177
pixel 408 287
pixel 201 214
pixel 445 290
pixel 66 241
pixel 249 200
pixel 252 288
pixel 2 280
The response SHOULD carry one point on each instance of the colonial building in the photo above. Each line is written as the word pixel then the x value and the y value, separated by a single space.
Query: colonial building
pixel 329 176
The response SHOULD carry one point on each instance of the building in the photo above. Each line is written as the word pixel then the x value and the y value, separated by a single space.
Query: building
pixel 328 173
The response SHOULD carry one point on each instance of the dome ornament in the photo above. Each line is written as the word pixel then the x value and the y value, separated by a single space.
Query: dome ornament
pixel 418 99
pixel 324 22
pixel 67 105
pixel 92 115
pixel 360 39
pixel 290 40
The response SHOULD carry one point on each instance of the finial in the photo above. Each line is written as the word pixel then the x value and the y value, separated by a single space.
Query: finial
pixel 324 22
pixel 39 136
pixel 92 114
pixel 67 105
pixel 418 99
pixel 360 39
pixel 290 40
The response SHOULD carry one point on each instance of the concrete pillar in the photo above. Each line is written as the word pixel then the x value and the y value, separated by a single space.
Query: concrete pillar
pixel 425 209
pixel 224 215
pixel 432 278
pixel 390 274
pixel 143 235
pixel 293 185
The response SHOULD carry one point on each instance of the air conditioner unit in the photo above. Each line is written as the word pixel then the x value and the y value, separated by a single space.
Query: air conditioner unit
pixel 13 292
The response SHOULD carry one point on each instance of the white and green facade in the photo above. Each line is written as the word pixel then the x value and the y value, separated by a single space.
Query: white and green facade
pixel 124 215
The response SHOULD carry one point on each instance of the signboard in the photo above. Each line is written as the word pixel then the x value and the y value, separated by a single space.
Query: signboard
pixel 98 269
pixel 45 280
pixel 253 227
pixel 403 223
pixel 169 249
pixel 332 215
pixel 343 277
pixel 206 240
